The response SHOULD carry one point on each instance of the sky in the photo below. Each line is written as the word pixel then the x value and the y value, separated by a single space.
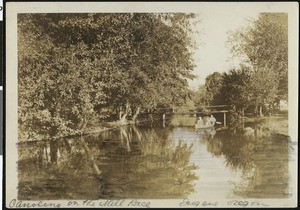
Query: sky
pixel 213 55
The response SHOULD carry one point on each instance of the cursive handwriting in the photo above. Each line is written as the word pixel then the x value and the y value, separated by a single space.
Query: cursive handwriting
pixel 14 203
pixel 188 203
pixel 244 203
pixel 111 203
pixel 136 203
pixel 32 204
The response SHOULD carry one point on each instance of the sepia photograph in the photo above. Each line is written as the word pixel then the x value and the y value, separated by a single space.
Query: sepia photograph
pixel 151 104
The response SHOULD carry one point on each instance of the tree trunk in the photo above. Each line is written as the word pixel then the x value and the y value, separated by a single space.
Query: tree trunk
pixel 136 114
pixel 123 119
pixel 137 132
pixel 255 110
pixel 53 151
pixel 124 135
pixel 84 123
pixel 260 111
pixel 120 114
pixel 90 157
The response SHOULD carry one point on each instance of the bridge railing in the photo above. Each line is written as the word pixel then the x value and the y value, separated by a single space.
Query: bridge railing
pixel 216 109
pixel 187 109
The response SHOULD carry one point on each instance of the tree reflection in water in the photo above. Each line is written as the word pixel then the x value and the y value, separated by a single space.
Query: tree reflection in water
pixel 153 166
pixel 135 163
pixel 150 162
pixel 262 156
pixel 55 170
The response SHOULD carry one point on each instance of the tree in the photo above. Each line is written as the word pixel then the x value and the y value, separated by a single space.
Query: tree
pixel 201 97
pixel 210 92
pixel 57 87
pixel 213 84
pixel 263 87
pixel 155 64
pixel 264 44
pixel 236 89
pixel 74 64
pixel 160 62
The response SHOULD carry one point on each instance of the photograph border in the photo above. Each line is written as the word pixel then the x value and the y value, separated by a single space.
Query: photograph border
pixel 11 93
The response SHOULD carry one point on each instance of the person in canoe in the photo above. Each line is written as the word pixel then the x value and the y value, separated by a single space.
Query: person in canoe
pixel 211 121
pixel 200 121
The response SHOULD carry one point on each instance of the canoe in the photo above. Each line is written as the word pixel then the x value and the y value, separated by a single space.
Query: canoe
pixel 203 126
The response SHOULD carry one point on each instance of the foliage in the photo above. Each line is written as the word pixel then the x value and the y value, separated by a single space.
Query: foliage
pixel 201 97
pixel 210 92
pixel 71 65
pixel 263 88
pixel 58 88
pixel 236 88
pixel 158 62
pixel 264 42
pixel 261 81
pixel 213 84
pixel 241 89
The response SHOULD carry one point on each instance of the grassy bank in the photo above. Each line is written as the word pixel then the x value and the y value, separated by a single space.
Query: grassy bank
pixel 277 123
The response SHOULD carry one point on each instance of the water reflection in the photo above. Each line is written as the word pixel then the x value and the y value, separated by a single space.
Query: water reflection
pixel 124 163
pixel 157 162
pixel 260 155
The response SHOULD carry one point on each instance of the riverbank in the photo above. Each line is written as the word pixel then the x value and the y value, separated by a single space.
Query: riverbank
pixel 100 127
pixel 95 127
pixel 107 126
pixel 277 123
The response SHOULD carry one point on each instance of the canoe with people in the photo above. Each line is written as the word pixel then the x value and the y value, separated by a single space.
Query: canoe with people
pixel 206 122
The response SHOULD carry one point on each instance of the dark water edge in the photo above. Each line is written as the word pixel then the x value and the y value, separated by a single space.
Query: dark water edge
pixel 156 162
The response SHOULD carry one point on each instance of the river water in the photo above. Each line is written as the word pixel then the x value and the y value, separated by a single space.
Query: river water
pixel 157 162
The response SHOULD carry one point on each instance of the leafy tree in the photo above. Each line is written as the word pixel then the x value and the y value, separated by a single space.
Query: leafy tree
pixel 264 45
pixel 263 88
pixel 235 89
pixel 145 60
pixel 210 92
pixel 57 89
pixel 201 97
pixel 160 63
pixel 213 84
pixel 75 64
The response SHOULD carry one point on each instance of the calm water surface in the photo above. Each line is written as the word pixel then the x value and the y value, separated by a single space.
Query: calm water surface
pixel 156 162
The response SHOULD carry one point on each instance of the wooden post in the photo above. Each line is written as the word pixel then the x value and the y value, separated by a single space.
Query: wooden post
pixel 224 119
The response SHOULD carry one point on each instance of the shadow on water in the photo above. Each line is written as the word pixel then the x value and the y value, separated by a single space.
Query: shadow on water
pixel 261 156
pixel 134 163
pixel 147 162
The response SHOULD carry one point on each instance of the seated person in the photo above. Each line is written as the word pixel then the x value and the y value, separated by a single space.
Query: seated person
pixel 212 120
pixel 200 121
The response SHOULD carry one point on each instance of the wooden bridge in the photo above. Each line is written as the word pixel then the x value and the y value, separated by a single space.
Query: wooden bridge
pixel 207 110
